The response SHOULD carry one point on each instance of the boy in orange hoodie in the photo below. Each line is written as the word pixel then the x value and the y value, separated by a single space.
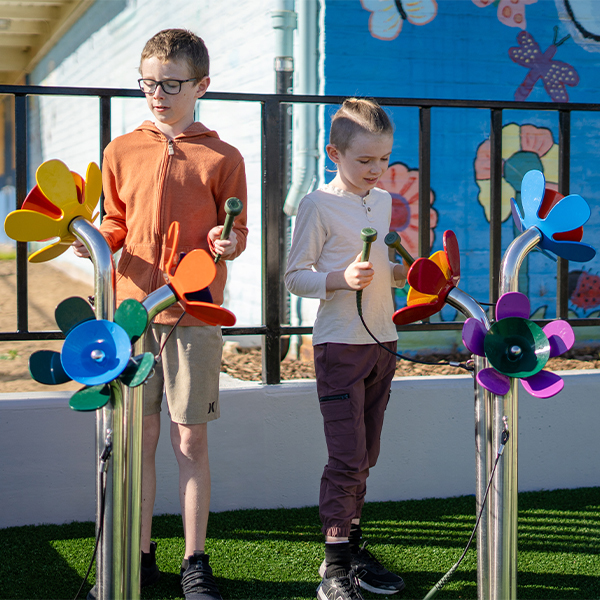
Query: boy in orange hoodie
pixel 175 169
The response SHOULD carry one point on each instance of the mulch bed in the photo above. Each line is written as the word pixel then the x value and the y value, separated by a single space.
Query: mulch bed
pixel 246 364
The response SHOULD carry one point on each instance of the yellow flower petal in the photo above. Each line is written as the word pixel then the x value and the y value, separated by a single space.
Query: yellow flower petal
pixel 484 196
pixel 415 297
pixel 511 140
pixel 550 164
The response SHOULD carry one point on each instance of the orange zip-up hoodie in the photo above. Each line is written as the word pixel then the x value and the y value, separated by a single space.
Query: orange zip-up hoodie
pixel 150 181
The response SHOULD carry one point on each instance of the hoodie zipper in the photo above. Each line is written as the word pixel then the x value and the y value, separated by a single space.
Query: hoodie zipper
pixel 159 240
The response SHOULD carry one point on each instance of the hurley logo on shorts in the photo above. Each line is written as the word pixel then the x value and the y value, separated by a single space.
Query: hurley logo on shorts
pixel 211 408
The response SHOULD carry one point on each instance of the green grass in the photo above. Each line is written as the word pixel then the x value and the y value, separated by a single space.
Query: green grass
pixel 275 554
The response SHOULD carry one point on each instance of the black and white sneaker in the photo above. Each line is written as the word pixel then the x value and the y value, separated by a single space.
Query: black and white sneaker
pixel 372 575
pixel 339 588
pixel 197 580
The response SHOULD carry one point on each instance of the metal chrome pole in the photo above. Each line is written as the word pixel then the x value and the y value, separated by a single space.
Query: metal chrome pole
pixel 483 442
pixel 104 305
pixel 503 533
pixel 129 554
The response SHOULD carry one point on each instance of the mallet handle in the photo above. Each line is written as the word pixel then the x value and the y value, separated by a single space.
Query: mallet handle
pixel 368 235
pixel 233 207
pixel 393 240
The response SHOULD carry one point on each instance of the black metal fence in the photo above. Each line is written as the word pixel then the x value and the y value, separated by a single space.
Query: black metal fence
pixel 272 328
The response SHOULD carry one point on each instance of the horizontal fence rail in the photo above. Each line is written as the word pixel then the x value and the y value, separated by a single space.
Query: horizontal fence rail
pixel 273 262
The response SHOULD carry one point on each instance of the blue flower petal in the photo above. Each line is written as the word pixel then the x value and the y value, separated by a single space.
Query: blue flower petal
pixel 533 187
pixel 574 251
pixel 567 214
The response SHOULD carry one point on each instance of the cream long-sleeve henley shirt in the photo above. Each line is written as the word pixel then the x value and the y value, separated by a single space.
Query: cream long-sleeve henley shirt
pixel 326 239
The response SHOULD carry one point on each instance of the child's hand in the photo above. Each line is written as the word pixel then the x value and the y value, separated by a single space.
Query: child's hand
pixel 80 250
pixel 359 274
pixel 223 247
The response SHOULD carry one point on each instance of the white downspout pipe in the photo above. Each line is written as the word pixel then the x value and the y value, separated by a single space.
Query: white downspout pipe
pixel 305 154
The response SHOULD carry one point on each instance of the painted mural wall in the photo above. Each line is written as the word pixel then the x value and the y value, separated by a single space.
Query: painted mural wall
pixel 527 50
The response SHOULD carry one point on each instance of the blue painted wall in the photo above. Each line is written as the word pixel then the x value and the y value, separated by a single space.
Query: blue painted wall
pixel 464 52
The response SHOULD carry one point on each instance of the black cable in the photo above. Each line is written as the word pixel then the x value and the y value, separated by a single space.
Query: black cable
pixel 102 473
pixel 458 365
pixel 168 336
pixel 444 580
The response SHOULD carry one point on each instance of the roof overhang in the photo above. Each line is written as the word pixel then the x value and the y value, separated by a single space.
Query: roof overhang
pixel 29 29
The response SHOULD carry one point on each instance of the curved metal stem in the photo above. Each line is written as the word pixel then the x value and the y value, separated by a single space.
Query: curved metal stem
pixel 104 306
pixel 505 491
pixel 483 442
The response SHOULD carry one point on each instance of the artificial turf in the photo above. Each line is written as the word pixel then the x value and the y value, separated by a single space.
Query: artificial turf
pixel 275 554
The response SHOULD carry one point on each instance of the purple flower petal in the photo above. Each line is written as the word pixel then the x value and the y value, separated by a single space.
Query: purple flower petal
pixel 561 337
pixel 495 382
pixel 544 384
pixel 512 304
pixel 473 334
pixel 516 215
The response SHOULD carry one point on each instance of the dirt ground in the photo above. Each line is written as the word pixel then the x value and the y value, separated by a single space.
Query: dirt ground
pixel 49 286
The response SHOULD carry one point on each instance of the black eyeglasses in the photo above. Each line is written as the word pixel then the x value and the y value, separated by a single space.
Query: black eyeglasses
pixel 169 86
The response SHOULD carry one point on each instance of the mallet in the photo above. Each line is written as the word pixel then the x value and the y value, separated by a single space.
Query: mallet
pixel 393 240
pixel 233 207
pixel 368 235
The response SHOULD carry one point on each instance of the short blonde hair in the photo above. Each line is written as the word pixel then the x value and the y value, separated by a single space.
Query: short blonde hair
pixel 358 115
pixel 179 44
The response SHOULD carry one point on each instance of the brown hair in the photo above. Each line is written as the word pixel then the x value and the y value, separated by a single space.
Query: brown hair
pixel 179 44
pixel 358 115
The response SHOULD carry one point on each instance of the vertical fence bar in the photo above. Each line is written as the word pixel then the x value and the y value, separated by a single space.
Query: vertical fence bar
pixel 271 242
pixel 105 136
pixel 564 185
pixel 495 201
pixel 424 180
pixel 21 191
pixel 105 417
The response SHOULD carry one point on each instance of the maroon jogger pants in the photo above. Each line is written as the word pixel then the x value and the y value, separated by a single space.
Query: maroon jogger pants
pixel 353 383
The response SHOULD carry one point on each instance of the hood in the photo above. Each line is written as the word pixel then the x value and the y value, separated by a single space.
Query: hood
pixel 196 129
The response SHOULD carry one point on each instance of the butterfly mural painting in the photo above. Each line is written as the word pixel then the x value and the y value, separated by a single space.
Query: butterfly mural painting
pixel 510 12
pixel 554 74
pixel 388 16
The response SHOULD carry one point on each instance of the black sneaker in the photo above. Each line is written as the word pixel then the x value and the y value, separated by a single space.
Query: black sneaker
pixel 339 588
pixel 197 580
pixel 372 575
pixel 149 573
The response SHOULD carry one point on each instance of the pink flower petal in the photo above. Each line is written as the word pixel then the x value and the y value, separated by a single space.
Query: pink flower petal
pixel 544 384
pixel 536 139
pixel 561 337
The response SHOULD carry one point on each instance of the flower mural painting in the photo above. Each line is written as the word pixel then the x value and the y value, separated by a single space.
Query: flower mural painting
pixel 510 12
pixel 95 352
pixel 59 197
pixel 524 148
pixel 403 185
pixel 559 219
pixel 518 348
pixel 388 16
pixel 431 280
